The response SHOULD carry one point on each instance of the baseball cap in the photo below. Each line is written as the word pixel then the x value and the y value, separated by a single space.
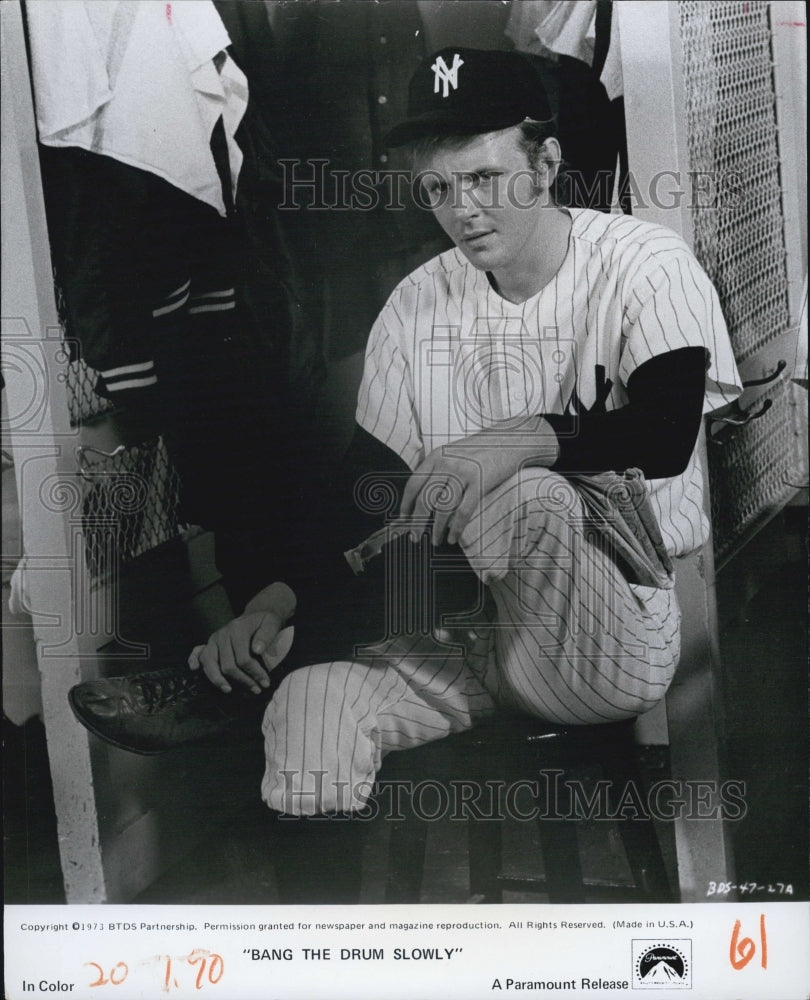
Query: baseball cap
pixel 460 91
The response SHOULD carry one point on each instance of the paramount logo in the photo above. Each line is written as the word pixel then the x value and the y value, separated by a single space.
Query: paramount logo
pixel 662 964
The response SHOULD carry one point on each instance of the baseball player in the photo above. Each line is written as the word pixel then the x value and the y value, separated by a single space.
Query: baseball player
pixel 522 379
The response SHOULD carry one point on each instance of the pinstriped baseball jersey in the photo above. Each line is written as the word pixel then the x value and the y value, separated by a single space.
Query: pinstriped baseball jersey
pixel 448 356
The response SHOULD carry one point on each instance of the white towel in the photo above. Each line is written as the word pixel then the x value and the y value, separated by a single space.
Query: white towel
pixel 135 80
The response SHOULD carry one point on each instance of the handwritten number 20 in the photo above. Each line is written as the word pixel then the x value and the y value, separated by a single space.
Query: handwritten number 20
pixel 116 977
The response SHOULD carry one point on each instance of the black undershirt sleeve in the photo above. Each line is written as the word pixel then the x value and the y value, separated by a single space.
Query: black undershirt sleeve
pixel 655 431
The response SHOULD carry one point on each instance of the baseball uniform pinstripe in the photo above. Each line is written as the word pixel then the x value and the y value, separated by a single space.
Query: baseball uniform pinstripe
pixel 571 640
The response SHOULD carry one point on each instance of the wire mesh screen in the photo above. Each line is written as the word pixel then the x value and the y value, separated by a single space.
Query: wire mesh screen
pixel 129 504
pixel 83 403
pixel 764 448
pixel 130 498
pixel 733 141
pixel 739 238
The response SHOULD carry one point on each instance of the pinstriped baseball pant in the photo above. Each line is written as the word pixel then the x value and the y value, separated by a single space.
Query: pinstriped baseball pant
pixel 571 641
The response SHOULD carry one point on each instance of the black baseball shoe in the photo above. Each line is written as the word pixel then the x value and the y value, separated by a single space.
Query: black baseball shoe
pixel 152 712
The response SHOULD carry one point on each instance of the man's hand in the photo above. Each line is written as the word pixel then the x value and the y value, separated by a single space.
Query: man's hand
pixel 242 650
pixel 239 652
pixel 453 479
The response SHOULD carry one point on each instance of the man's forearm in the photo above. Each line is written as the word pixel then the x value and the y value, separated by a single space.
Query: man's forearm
pixel 278 599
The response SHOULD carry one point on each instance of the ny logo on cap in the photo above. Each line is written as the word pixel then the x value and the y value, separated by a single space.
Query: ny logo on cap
pixel 447 75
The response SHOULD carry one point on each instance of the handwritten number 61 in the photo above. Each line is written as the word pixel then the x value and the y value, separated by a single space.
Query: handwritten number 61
pixel 741 951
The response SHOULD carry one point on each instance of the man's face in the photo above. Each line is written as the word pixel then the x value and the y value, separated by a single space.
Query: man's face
pixel 487 200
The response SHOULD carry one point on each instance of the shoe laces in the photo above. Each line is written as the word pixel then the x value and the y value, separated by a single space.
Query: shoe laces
pixel 160 687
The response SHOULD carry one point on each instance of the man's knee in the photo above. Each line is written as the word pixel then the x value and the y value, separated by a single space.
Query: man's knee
pixel 543 493
pixel 305 692
pixel 318 759
pixel 534 510
pixel 532 492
